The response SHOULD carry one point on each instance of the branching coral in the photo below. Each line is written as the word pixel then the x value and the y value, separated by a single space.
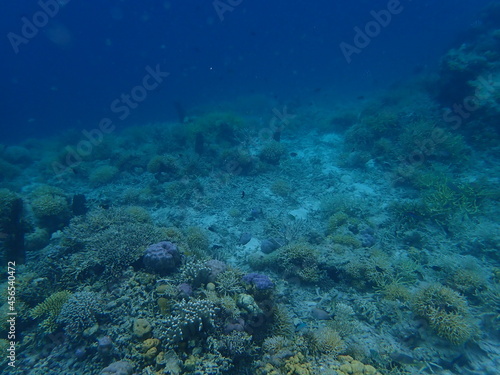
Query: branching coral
pixel 298 260
pixel 446 311
pixel 189 320
pixel 50 308
pixel 79 313
pixel 105 240
pixel 325 340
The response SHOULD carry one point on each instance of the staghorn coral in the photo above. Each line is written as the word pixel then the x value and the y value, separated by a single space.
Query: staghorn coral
pixel 395 290
pixel 276 344
pixel 50 307
pixel 325 340
pixel 285 229
pixel 446 311
pixel 208 364
pixel 229 282
pixel 344 320
pixel 297 259
pixel 104 241
pixel 468 281
pixel 282 322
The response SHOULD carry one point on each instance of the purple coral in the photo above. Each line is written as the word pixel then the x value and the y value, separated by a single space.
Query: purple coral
pixel 259 280
pixel 216 267
pixel 162 257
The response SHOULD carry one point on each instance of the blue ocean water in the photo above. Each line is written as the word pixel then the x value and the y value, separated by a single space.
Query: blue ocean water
pixel 87 54
pixel 235 187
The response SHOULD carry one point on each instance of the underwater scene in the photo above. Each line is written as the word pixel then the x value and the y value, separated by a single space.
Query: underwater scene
pixel 224 187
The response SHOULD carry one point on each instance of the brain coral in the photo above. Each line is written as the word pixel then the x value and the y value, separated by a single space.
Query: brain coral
pixel 162 257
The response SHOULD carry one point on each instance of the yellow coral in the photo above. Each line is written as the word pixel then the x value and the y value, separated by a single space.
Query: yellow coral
pixel 346 239
pixel 164 305
pixel 446 311
pixel 141 328
pixel 296 365
pixel 149 343
pixel 50 307
pixel 351 366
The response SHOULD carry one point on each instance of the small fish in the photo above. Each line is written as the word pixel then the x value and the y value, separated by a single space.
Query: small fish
pixel 242 194
pixel 402 358
pixel 320 314
pixel 293 154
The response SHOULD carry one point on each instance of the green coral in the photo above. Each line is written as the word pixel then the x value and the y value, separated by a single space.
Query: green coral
pixel 229 282
pixel 163 164
pixel 103 174
pixel 50 308
pixel 445 199
pixel 197 240
pixel 325 340
pixel 222 128
pixel 51 207
pixel 346 240
pixel 298 259
pixel 446 311
pixel 282 322
pixel 336 221
pixel 272 152
pixel 105 242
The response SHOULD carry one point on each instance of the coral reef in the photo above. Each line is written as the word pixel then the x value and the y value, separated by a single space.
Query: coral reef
pixel 51 207
pixel 162 257
pixel 446 311
pixel 189 320
pixel 51 308
pixel 79 313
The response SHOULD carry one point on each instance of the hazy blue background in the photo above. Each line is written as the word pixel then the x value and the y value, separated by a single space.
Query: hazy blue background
pixel 92 51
